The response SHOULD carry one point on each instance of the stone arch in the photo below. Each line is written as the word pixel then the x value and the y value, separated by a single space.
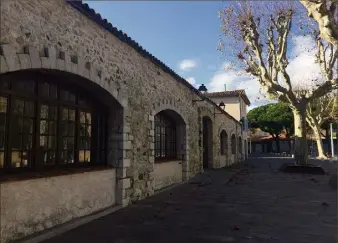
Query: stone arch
pixel 54 62
pixel 240 148
pixel 171 109
pixel 49 58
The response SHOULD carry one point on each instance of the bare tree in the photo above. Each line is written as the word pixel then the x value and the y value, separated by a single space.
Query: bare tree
pixel 260 34
pixel 318 111
pixel 325 12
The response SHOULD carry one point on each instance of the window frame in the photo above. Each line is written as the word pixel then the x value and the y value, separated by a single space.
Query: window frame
pixel 165 123
pixel 94 107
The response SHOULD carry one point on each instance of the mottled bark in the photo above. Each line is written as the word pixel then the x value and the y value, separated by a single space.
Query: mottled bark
pixel 301 147
pixel 324 12
pixel 319 142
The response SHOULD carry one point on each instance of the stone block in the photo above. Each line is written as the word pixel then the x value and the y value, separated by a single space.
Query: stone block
pixel 127 145
pixel 3 65
pixel 121 173
pixel 52 57
pixel 35 57
pixel 11 58
pixel 123 183
pixel 25 61
pixel 60 64
pixel 45 62
pixel 124 163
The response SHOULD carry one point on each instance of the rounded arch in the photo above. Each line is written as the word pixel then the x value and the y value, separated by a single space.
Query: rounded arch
pixel 233 144
pixel 51 60
pixel 171 107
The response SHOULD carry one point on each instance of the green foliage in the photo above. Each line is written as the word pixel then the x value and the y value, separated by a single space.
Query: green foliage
pixel 272 118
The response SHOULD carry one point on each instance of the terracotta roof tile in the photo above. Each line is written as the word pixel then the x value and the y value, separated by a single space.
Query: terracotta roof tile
pixel 231 93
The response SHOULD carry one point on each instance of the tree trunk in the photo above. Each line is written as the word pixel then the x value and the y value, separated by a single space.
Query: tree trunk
pixel 319 141
pixel 301 147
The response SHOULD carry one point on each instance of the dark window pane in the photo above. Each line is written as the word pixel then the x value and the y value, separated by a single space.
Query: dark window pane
pixel 3 104
pixel 2 159
pixel 82 130
pixel 2 122
pixel 88 118
pixel 28 125
pixel 27 142
pixel 29 109
pixel 16 159
pixel 70 143
pixel 64 94
pixel 71 129
pixel 64 129
pixel 64 114
pixel 17 125
pixel 4 84
pixel 52 113
pixel 2 140
pixel 51 142
pixel 89 131
pixel 18 106
pixel 51 157
pixel 44 87
pixel 70 156
pixel 52 127
pixel 72 97
pixel 52 91
pixel 72 115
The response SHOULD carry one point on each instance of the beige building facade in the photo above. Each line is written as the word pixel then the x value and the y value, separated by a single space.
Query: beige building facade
pixel 90 120
pixel 236 102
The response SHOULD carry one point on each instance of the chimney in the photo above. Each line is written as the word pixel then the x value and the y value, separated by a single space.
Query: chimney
pixel 225 87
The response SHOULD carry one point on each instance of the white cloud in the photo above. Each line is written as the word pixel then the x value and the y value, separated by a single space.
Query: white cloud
pixel 191 80
pixel 302 69
pixel 187 64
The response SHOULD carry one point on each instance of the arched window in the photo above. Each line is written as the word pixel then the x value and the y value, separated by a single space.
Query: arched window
pixel 45 123
pixel 165 137
pixel 233 144
pixel 224 142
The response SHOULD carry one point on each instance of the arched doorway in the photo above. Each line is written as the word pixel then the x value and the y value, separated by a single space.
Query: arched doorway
pixel 240 149
pixel 224 147
pixel 207 142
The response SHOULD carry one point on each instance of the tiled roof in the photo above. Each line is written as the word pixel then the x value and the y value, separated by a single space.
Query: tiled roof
pixel 96 17
pixel 231 93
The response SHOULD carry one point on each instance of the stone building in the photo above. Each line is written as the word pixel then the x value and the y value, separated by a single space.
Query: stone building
pixel 235 103
pixel 89 120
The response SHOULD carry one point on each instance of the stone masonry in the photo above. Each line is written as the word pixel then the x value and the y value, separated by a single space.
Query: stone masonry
pixel 63 37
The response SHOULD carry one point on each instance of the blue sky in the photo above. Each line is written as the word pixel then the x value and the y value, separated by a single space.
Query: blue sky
pixel 171 31
pixel 185 34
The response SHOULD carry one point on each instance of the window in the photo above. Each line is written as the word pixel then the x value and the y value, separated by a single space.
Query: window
pixel 233 144
pixel 224 142
pixel 46 124
pixel 165 138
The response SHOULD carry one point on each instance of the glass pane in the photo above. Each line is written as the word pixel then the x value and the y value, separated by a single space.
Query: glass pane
pixel 82 130
pixel 29 109
pixel 72 115
pixel 64 114
pixel 51 157
pixel 3 104
pixel 43 127
pixel 64 129
pixel 87 158
pixel 88 118
pixel 25 158
pixel 44 89
pixel 82 155
pixel 52 113
pixel 4 84
pixel 17 125
pixel 16 141
pixel 44 111
pixel 71 129
pixel 2 140
pixel 64 95
pixel 28 125
pixel 2 159
pixel 27 142
pixel 70 157
pixel 72 97
pixel 52 127
pixel 18 106
pixel 82 117
pixel 51 142
pixel 43 142
pixel 16 159
pixel 52 91
pixel 70 143
pixel 64 143
pixel 88 131
pixel 2 122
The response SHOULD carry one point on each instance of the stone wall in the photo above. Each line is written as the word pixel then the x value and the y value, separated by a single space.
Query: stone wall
pixel 53 35
pixel 29 206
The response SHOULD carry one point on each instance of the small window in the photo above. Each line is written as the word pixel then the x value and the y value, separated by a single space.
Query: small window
pixel 165 138
pixel 224 142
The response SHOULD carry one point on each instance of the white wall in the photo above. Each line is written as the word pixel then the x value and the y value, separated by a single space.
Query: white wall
pixel 30 206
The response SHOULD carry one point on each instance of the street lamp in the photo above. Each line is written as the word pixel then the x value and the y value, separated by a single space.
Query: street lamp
pixel 221 105
pixel 203 90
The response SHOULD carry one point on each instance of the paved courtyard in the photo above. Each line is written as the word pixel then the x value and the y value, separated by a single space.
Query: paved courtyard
pixel 259 204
